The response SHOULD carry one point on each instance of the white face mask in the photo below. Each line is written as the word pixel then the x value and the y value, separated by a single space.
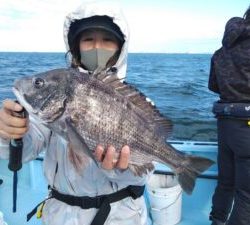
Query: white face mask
pixel 96 58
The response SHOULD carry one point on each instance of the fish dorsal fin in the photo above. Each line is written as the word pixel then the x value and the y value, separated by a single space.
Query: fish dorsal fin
pixel 162 125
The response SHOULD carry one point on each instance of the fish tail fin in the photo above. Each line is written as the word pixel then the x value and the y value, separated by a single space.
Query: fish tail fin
pixel 193 166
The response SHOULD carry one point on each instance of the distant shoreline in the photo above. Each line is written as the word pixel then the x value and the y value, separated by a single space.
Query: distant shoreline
pixel 165 53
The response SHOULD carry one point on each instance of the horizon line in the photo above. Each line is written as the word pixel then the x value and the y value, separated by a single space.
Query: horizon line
pixel 128 52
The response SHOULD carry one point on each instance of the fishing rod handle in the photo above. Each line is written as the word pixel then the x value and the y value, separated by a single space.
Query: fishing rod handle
pixel 16 147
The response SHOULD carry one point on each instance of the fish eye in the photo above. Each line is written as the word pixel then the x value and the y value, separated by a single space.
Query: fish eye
pixel 38 82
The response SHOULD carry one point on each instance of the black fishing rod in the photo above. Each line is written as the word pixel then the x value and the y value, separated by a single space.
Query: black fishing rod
pixel 15 157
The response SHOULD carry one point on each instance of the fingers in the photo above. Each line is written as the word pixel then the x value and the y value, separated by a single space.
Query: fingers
pixel 9 131
pixel 124 158
pixel 108 162
pixel 99 153
pixel 111 159
pixel 11 121
pixel 12 132
pixel 5 135
pixel 6 114
pixel 11 126
pixel 11 105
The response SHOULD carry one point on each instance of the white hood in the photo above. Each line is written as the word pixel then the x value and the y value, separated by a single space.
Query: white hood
pixel 102 9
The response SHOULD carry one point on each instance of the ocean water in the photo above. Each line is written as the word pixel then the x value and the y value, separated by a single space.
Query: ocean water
pixel 176 83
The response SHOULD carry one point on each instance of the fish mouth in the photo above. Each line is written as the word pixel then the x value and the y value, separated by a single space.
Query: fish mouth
pixel 23 102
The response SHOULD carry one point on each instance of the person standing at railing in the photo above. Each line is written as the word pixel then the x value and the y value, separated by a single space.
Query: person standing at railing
pixel 230 78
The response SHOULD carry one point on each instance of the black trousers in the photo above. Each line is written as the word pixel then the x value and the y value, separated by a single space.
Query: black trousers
pixel 232 193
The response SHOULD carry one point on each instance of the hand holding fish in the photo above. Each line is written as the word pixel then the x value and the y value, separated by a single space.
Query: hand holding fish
pixel 111 159
pixel 11 126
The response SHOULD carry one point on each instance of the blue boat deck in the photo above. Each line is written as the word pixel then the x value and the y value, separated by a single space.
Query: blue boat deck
pixel 32 188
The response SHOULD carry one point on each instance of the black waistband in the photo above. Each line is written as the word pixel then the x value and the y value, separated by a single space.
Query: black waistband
pixel 86 202
pixel 102 201
pixel 234 110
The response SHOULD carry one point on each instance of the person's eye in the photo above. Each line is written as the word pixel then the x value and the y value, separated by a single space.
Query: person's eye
pixel 38 82
pixel 87 39
pixel 108 39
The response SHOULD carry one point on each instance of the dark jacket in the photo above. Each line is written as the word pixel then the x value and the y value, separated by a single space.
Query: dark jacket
pixel 230 65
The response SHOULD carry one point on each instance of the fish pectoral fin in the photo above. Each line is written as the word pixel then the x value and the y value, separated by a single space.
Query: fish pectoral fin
pixel 76 142
pixel 139 170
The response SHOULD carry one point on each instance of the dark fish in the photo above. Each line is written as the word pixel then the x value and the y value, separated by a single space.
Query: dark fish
pixel 88 110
